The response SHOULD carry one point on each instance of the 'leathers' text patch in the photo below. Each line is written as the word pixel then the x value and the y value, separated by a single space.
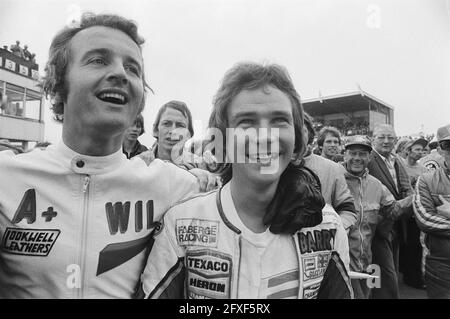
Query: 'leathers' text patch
pixel 197 232
pixel 29 242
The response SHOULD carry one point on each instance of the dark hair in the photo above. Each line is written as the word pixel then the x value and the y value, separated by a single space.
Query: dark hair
pixel 179 106
pixel 309 126
pixel 325 131
pixel 59 54
pixel 248 76
pixel 139 122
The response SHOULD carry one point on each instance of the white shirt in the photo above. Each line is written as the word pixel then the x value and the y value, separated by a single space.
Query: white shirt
pixel 269 265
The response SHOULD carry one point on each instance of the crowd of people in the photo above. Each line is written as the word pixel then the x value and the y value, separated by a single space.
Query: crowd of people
pixel 350 127
pixel 273 210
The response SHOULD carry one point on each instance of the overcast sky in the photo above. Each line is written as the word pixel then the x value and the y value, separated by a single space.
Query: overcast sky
pixel 396 50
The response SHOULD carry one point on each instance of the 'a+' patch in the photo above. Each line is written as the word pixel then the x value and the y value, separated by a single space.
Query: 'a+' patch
pixel 49 214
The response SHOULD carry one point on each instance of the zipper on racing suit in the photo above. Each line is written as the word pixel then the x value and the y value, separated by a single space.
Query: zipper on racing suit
pixel 238 275
pixel 83 243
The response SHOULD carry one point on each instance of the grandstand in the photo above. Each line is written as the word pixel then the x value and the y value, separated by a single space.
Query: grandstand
pixel 352 113
pixel 21 99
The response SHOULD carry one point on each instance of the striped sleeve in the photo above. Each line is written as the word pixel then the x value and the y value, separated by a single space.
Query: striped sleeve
pixel 342 200
pixel 427 217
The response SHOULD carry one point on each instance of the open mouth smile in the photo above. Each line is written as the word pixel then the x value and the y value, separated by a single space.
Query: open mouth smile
pixel 263 158
pixel 113 97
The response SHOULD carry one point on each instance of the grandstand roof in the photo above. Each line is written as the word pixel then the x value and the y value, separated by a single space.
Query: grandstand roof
pixel 341 103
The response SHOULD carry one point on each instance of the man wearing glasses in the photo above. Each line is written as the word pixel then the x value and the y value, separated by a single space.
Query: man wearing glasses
pixel 432 212
pixel 388 168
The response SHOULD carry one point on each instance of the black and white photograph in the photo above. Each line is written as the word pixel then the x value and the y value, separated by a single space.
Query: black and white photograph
pixel 225 149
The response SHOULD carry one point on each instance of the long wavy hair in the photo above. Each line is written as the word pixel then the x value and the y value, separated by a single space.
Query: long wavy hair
pixel 249 76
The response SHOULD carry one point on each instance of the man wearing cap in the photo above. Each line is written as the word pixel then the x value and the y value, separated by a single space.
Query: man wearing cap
pixel 434 159
pixel 389 170
pixel 373 203
pixel 414 152
pixel 432 212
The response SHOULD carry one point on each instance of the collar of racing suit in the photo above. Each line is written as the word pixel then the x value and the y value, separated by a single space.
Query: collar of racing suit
pixel 84 164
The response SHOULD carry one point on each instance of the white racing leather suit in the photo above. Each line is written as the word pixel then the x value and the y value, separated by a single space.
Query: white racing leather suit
pixel 196 254
pixel 75 226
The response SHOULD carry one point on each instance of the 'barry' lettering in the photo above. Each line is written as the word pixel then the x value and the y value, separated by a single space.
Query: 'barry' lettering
pixel 322 240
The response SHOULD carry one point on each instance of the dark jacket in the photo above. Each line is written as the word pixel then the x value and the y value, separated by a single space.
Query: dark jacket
pixel 377 168
pixel 137 149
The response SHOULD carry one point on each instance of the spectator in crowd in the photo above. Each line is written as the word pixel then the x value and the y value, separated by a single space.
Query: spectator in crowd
pixel 373 201
pixel 94 208
pixel 331 175
pixel 432 211
pixel 131 145
pixel 27 54
pixel 329 142
pixel 412 252
pixel 434 159
pixel 414 151
pixel 389 169
pixel 258 216
pixel 172 128
pixel 17 50
pixel 400 147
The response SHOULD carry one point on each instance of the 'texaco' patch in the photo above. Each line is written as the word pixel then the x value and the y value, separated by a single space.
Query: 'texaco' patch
pixel 208 274
pixel 29 242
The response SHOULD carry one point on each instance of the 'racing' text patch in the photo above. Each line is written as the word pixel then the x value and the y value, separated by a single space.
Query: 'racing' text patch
pixel 196 232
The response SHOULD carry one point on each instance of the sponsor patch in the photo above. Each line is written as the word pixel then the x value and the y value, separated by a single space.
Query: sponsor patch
pixel 29 242
pixel 317 240
pixel 197 232
pixel 431 165
pixel 315 265
pixel 208 274
pixel 311 292
pixel 195 296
